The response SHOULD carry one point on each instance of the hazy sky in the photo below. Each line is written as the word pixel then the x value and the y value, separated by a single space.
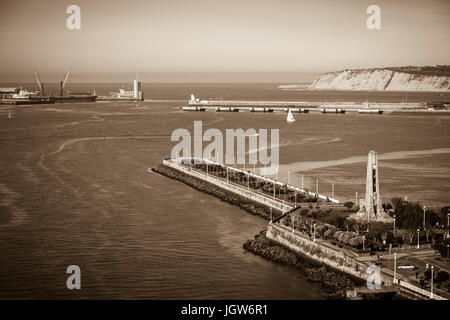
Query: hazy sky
pixel 248 40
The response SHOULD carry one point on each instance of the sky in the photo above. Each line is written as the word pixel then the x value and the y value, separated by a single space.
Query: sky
pixel 210 40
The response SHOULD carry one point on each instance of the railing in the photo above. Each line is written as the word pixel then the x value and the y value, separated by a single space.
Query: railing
pixel 420 291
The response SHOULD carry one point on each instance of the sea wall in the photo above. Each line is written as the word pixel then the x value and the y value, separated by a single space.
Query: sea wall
pixel 232 187
pixel 320 253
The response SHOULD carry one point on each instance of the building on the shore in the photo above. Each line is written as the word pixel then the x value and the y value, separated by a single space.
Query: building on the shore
pixel 8 92
pixel 131 94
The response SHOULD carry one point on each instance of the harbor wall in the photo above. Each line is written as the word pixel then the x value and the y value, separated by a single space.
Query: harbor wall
pixel 320 253
pixel 232 187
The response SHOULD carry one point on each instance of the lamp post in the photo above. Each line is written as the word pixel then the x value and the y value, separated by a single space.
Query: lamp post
pixel 448 222
pixel 448 246
pixel 394 224
pixel 289 177
pixel 432 269
pixel 395 267
pixel 363 239
pixel 274 187
pixel 302 183
pixel 424 211
pixel 317 186
pixel 332 190
pixel 356 198
pixel 314 233
pixel 418 243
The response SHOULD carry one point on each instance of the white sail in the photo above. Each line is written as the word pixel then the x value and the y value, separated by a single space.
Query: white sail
pixel 290 117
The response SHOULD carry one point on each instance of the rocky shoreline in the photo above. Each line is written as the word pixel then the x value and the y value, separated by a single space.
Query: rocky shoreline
pixel 334 283
pixel 211 189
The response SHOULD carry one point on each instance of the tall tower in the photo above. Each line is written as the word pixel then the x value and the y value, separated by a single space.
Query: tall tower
pixel 373 199
pixel 370 208
pixel 136 89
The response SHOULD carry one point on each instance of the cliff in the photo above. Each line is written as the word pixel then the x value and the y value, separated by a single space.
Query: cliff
pixel 388 79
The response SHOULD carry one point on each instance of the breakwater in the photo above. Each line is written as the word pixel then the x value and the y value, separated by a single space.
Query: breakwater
pixel 209 188
pixel 246 192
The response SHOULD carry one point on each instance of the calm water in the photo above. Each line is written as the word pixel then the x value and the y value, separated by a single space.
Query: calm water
pixel 68 197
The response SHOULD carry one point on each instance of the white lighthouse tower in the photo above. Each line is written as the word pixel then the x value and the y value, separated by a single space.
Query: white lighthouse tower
pixel 137 90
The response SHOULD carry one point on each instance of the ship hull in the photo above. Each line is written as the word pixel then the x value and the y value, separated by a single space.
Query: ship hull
pixel 74 98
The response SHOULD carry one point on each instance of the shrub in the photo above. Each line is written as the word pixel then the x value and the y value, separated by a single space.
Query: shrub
pixel 442 276
pixel 328 234
pixel 356 242
pixel 349 204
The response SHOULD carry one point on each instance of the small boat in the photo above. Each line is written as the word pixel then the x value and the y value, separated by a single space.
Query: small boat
pixel 10 114
pixel 290 117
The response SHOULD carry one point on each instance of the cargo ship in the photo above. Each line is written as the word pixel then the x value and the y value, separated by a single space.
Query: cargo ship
pixel 61 96
pixel 16 96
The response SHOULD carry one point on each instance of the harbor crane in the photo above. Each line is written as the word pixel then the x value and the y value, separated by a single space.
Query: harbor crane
pixel 63 83
pixel 41 87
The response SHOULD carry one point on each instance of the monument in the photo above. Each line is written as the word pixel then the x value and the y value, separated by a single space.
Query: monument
pixel 370 208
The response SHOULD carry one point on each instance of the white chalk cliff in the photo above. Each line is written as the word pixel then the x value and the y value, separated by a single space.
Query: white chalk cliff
pixel 389 79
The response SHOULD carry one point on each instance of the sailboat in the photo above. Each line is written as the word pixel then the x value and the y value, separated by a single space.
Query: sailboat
pixel 10 114
pixel 290 117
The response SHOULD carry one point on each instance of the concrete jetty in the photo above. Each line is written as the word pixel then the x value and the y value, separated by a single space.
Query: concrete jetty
pixel 245 191
pixel 248 193
pixel 329 107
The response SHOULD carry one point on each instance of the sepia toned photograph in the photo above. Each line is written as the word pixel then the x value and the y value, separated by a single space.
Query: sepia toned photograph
pixel 211 151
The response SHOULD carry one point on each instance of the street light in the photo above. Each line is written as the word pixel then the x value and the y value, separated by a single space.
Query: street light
pixel 363 239
pixel 448 222
pixel 314 234
pixel 394 224
pixel 395 267
pixel 424 210
pixel 432 269
pixel 418 243
pixel 446 260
